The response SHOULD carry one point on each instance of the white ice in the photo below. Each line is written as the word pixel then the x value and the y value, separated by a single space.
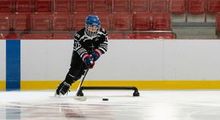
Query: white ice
pixel 150 105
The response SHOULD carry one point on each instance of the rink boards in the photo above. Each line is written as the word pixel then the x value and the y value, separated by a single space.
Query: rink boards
pixel 147 64
pixel 2 65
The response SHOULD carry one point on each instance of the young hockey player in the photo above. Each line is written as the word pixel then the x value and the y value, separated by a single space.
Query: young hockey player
pixel 89 44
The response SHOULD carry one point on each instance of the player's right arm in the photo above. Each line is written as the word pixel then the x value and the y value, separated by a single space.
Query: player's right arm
pixel 78 46
pixel 81 51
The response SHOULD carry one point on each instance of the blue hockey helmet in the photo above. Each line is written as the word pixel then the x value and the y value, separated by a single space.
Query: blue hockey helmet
pixel 92 21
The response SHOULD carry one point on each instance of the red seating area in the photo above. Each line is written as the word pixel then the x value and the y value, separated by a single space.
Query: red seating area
pixel 147 35
pixel 121 21
pixel 5 21
pixel 196 6
pixel 21 21
pixel 78 20
pixel 101 5
pixel 41 22
pixel 140 6
pixel 112 36
pixel 23 6
pixel 6 6
pixel 161 21
pixel 159 5
pixel 213 6
pixel 122 16
pixel 177 6
pixel 80 6
pixel 117 21
pixel 62 5
pixel 61 22
pixel 43 5
pixel 173 6
pixel 142 21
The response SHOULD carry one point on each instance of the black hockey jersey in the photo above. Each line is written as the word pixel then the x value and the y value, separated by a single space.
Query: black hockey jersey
pixel 86 44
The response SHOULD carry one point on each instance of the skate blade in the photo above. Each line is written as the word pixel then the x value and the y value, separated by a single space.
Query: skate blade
pixel 80 98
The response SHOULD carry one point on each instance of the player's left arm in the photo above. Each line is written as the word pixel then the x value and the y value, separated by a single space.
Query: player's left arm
pixel 103 46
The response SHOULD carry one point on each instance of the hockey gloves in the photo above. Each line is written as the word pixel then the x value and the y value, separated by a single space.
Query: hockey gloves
pixel 88 60
pixel 96 54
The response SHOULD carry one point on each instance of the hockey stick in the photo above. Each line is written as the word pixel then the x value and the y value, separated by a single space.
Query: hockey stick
pixel 79 92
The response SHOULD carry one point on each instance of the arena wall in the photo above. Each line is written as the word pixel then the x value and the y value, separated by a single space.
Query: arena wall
pixel 147 64
pixel 2 64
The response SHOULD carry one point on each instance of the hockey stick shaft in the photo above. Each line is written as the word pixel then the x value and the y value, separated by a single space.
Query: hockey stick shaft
pixel 80 85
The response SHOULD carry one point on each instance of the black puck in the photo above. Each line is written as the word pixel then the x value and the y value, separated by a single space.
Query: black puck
pixel 105 99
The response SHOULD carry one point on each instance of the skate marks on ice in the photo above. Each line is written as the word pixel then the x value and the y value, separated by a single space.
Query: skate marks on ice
pixel 151 105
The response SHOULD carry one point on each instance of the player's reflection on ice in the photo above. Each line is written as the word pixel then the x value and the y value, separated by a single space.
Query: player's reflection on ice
pixel 55 111
pixel 13 112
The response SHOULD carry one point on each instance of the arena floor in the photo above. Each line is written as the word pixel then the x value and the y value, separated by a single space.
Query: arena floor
pixel 121 105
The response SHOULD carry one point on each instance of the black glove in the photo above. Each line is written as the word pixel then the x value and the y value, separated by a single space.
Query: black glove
pixel 96 54
pixel 88 60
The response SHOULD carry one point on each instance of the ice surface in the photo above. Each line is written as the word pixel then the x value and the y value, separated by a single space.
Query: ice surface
pixel 150 105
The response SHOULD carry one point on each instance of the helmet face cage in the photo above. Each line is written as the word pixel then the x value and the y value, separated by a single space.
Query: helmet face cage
pixel 92 22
